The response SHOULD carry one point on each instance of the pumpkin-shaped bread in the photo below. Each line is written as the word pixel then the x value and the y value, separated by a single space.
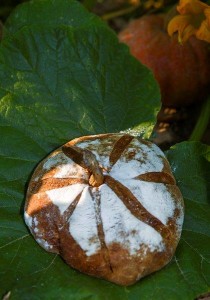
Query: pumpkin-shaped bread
pixel 108 204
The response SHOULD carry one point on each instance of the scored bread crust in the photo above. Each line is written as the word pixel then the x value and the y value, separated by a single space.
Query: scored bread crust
pixel 121 230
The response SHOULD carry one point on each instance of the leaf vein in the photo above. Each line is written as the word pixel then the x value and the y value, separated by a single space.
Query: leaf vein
pixel 14 241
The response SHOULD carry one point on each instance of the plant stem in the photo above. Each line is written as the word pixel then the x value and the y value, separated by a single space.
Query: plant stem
pixel 119 13
pixel 89 4
pixel 202 122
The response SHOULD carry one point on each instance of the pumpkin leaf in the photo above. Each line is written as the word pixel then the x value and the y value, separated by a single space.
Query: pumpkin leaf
pixel 194 169
pixel 63 82
pixel 58 80
pixel 50 13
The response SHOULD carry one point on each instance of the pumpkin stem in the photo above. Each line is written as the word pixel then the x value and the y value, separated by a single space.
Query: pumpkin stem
pixel 202 122
pixel 87 160
pixel 169 16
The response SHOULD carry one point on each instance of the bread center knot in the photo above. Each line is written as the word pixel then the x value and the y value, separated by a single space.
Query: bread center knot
pixel 96 177
pixel 87 160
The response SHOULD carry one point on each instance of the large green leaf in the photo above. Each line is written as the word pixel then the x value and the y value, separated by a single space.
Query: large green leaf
pixel 59 80
pixel 62 82
pixel 191 165
pixel 195 170
pixel 50 12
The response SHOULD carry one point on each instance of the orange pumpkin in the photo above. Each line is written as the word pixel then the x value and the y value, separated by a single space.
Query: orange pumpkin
pixel 182 71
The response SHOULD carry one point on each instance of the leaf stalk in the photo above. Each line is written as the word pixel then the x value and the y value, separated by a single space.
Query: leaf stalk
pixel 202 122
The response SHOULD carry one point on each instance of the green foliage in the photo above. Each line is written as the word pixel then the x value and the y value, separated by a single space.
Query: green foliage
pixel 63 74
pixel 50 13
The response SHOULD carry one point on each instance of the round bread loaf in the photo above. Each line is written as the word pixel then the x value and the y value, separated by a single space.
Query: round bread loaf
pixel 108 204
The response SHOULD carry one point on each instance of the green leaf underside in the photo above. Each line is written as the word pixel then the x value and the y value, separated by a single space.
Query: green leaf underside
pixel 62 79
